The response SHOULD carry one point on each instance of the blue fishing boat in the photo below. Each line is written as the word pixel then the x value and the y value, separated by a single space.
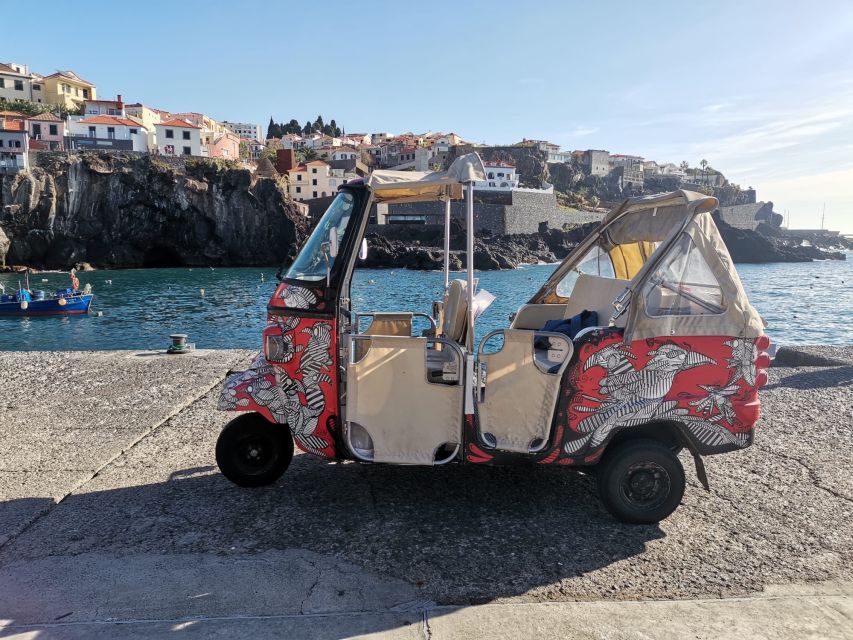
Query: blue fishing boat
pixel 66 301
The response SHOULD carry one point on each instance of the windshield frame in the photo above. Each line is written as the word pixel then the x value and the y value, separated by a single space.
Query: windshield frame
pixel 312 259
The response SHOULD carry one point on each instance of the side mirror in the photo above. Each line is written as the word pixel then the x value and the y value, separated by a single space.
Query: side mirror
pixel 333 242
pixel 362 251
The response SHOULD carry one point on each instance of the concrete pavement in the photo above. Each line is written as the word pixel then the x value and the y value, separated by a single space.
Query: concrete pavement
pixel 149 540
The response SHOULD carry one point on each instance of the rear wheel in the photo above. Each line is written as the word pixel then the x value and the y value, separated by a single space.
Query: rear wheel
pixel 252 452
pixel 641 481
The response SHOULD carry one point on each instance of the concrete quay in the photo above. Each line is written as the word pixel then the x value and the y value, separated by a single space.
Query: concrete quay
pixel 115 523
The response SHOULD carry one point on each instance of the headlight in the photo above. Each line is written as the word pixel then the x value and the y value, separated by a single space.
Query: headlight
pixel 278 347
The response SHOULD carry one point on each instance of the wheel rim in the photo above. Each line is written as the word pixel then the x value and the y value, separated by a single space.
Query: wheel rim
pixel 645 485
pixel 255 454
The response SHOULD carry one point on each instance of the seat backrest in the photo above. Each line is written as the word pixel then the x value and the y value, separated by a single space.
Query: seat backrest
pixel 455 316
pixel 595 293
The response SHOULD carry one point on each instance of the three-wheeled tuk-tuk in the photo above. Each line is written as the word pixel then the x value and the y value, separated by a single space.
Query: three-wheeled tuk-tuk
pixel 674 361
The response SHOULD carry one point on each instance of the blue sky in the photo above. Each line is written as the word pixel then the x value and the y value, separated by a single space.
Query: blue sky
pixel 763 90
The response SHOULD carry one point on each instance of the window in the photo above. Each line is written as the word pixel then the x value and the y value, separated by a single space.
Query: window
pixel 315 194
pixel 314 182
pixel 2 83
pixel 19 85
pixel 187 151
pixel 1 143
pixel 133 132
pixel 54 131
pixel 314 170
pixel 36 87
pixel 91 132
pixel 298 189
pixel 111 133
pixel 186 135
pixel 683 284
pixel 17 144
pixel 596 262
pixel 36 130
pixel 170 133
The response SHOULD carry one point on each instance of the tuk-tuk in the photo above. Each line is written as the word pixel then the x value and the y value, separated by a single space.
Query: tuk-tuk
pixel 673 360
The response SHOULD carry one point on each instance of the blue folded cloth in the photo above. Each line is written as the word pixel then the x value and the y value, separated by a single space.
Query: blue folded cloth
pixel 568 326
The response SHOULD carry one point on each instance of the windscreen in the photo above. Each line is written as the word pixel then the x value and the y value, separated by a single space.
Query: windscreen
pixel 314 260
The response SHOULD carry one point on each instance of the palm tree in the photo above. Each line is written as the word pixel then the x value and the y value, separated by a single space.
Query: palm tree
pixel 704 164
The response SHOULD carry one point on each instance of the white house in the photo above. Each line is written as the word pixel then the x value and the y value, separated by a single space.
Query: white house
pixel 244 130
pixel 177 137
pixel 315 179
pixel 107 132
pixel 500 176
pixel 104 107
pixel 344 153
pixel 14 145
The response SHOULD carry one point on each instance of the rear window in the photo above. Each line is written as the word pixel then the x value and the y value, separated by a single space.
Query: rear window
pixel 596 262
pixel 684 284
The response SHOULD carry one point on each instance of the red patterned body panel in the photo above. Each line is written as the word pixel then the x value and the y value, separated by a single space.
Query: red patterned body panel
pixel 707 384
pixel 298 384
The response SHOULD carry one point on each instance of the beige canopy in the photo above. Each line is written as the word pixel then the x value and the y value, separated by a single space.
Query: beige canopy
pixel 417 186
pixel 682 279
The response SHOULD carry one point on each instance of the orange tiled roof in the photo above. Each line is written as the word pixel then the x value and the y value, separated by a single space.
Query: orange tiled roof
pixel 45 117
pixel 176 122
pixel 109 120
pixel 13 125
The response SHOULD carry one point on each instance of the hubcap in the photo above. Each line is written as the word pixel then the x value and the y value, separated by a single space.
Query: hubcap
pixel 645 485
pixel 254 453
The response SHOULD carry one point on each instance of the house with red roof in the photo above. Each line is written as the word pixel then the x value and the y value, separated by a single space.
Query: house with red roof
pixel 14 145
pixel 177 137
pixel 315 179
pixel 47 132
pixel 108 133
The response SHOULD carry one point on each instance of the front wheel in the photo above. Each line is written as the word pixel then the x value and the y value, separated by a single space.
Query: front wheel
pixel 641 481
pixel 253 452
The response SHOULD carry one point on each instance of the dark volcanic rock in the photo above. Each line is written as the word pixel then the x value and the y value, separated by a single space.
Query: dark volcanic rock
pixel 122 210
pixel 756 247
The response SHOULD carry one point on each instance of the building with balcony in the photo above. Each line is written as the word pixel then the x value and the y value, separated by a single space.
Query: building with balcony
pixel 104 108
pixel 107 133
pixel 14 145
pixel 315 179
pixel 68 89
pixel 244 130
pixel 176 137
pixel 500 176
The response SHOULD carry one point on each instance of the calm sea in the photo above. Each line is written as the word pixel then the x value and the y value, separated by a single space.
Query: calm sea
pixel 806 303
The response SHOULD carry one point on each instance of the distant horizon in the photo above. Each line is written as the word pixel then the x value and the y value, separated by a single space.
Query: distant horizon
pixel 764 93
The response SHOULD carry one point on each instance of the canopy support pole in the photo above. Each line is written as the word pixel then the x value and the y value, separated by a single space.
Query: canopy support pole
pixel 469 261
pixel 447 244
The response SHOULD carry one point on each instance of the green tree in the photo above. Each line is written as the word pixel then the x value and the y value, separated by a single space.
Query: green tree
pixel 271 129
pixel 244 150
pixel 335 129
pixel 306 130
pixel 318 124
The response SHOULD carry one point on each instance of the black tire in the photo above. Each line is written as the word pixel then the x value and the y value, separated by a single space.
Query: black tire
pixel 640 481
pixel 253 452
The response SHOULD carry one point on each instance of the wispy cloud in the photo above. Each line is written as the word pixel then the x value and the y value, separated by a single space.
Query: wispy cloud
pixel 581 131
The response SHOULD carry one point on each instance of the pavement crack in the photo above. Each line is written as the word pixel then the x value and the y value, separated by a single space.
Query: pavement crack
pixel 813 476
pixel 427 632
pixel 313 586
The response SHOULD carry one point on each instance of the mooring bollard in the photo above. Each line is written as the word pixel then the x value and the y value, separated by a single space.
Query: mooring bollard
pixel 179 344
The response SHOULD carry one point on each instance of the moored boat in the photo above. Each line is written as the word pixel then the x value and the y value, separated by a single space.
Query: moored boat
pixel 66 301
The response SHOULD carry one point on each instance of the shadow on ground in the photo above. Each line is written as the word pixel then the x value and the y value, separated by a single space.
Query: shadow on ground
pixel 822 378
pixel 453 535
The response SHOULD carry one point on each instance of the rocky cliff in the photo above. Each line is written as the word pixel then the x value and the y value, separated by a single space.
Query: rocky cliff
pixel 125 210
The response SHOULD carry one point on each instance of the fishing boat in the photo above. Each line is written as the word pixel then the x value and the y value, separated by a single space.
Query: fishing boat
pixel 64 301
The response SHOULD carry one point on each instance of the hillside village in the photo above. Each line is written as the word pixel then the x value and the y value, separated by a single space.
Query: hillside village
pixel 528 183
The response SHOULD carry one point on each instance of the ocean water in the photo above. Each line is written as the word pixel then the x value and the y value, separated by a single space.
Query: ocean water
pixel 804 303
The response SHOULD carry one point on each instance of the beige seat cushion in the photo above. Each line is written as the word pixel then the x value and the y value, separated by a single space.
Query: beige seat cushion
pixel 455 318
pixel 518 405
pixel 534 316
pixel 595 293
pixel 390 324
pixel 407 417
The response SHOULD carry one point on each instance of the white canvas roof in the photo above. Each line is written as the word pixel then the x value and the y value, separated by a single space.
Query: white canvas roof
pixel 417 186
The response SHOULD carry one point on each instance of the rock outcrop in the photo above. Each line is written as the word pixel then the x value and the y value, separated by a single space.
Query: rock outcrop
pixel 126 210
